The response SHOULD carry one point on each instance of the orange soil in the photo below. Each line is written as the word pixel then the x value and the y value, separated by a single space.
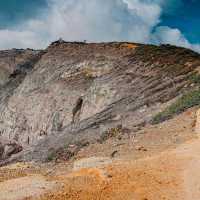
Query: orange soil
pixel 169 176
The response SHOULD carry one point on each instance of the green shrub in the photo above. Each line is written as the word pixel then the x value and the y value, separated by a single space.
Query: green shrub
pixel 195 78
pixel 51 157
pixel 188 100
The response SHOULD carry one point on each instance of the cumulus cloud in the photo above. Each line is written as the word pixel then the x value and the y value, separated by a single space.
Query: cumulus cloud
pixel 167 35
pixel 94 20
pixel 103 20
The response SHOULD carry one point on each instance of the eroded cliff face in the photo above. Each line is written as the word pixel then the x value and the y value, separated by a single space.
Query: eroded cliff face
pixel 71 93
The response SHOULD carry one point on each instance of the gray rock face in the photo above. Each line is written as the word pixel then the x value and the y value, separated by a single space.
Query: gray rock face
pixel 1 151
pixel 75 91
pixel 13 60
pixel 10 149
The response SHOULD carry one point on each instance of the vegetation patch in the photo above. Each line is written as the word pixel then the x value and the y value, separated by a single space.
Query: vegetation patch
pixel 188 100
pixel 52 156
pixel 195 78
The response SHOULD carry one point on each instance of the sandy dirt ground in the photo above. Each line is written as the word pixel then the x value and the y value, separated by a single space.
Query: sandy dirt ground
pixel 171 175
pixel 161 163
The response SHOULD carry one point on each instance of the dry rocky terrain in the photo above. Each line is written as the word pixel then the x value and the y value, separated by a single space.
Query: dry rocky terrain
pixel 99 121
pixel 160 163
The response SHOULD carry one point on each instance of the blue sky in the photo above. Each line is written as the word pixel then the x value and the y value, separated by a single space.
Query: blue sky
pixel 15 11
pixel 35 23
pixel 186 17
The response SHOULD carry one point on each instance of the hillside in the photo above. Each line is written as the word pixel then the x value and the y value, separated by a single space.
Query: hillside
pixel 160 162
pixel 56 101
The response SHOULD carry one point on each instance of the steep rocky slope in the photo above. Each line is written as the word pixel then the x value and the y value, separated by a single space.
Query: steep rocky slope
pixel 74 94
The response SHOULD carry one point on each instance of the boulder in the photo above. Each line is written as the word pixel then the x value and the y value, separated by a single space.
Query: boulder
pixel 10 149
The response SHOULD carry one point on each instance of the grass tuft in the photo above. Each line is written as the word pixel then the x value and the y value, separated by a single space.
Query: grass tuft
pixel 195 78
pixel 51 157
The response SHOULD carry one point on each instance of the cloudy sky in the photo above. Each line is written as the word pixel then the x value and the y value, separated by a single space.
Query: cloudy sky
pixel 36 23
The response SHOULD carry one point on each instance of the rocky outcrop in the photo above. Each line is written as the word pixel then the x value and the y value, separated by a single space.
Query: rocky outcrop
pixel 74 92
pixel 12 61
pixel 8 148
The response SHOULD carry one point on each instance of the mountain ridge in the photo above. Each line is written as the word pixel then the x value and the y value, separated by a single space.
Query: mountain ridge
pixel 72 93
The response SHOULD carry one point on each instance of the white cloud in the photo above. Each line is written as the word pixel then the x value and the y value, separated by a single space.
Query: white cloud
pixel 94 20
pixel 103 20
pixel 19 39
pixel 167 35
